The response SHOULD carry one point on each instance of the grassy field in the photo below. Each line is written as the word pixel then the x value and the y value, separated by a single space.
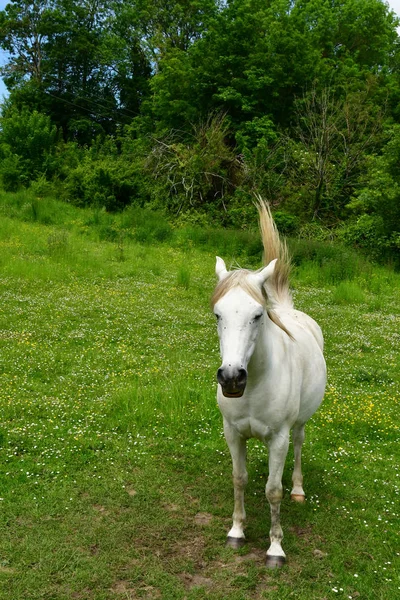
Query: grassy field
pixel 115 477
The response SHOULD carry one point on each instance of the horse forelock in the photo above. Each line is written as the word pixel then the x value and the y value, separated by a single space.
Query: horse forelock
pixel 238 278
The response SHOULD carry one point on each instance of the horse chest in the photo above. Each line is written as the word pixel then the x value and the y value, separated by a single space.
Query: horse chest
pixel 253 428
pixel 250 422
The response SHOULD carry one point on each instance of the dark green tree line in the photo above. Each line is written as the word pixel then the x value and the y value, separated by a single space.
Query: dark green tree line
pixel 192 105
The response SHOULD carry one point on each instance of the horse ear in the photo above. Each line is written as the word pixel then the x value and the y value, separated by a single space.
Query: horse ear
pixel 267 271
pixel 220 268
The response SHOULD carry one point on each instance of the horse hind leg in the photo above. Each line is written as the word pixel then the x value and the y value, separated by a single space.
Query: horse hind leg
pixel 297 494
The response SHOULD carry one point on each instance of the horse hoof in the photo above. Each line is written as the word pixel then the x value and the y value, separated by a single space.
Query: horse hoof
pixel 298 498
pixel 275 562
pixel 235 543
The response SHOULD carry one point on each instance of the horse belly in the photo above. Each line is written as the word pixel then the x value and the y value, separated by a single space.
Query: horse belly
pixel 313 391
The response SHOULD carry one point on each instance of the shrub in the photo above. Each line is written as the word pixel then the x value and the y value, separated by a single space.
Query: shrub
pixel 367 233
pixel 287 224
pixel 109 182
pixel 27 140
pixel 196 172
pixel 12 171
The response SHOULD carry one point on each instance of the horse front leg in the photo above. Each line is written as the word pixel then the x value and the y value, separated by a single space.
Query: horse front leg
pixel 237 448
pixel 278 447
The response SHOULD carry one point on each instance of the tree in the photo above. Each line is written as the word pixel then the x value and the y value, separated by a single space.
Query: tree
pixel 328 151
pixel 377 203
pixel 256 57
pixel 64 59
pixel 164 25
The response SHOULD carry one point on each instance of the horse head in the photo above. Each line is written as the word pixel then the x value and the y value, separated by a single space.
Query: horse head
pixel 239 305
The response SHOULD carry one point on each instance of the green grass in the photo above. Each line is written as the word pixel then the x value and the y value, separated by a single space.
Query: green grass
pixel 348 292
pixel 115 477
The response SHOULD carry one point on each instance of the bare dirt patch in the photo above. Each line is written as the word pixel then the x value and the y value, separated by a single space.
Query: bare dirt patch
pixel 8 570
pixel 171 507
pixel 202 518
pixel 255 555
pixel 125 589
pixel 303 532
pixel 193 549
pixel 101 509
pixel 191 581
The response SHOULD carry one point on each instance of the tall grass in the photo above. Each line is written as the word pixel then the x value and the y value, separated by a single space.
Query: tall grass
pixel 314 262
pixel 348 292
pixel 183 277
pixel 327 262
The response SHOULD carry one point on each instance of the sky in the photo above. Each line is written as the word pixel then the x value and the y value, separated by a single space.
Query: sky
pixel 394 5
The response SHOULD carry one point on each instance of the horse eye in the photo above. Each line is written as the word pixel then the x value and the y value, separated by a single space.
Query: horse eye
pixel 217 316
pixel 258 317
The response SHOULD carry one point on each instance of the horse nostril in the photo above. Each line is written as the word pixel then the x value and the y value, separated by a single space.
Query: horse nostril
pixel 242 376
pixel 220 376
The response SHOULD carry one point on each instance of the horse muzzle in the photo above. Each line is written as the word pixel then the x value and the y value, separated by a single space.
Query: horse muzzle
pixel 232 382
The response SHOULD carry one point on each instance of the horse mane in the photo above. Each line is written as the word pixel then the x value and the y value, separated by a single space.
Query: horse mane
pixel 275 291
pixel 277 286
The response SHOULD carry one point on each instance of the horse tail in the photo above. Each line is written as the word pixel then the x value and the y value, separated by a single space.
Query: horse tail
pixel 277 287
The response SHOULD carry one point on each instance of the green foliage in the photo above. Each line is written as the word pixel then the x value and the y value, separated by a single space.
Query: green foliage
pixel 146 226
pixel 327 155
pixel 60 62
pixel 105 180
pixel 377 206
pixel 183 277
pixel 287 224
pixel 57 242
pixel 27 140
pixel 257 57
pixel 367 232
pixel 258 134
pixel 12 171
pixel 191 107
pixel 195 172
pixel 326 262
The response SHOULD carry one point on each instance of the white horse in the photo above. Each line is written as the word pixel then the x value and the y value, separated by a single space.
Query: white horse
pixel 272 378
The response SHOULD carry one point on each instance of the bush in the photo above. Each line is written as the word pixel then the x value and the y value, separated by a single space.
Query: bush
pixel 12 171
pixel 108 182
pixel 195 172
pixel 27 140
pixel 366 233
pixel 287 224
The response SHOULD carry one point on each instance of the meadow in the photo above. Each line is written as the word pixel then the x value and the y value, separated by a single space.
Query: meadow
pixel 115 480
